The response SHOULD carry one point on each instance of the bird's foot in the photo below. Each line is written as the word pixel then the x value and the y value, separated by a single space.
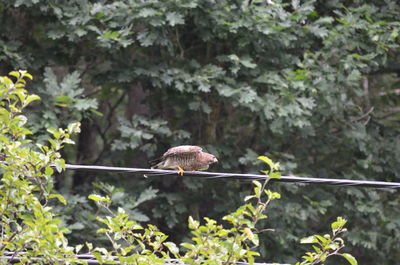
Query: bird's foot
pixel 180 171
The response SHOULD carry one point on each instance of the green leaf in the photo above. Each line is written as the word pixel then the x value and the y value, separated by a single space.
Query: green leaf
pixel 31 98
pixel 275 175
pixel 309 240
pixel 74 127
pixel 247 95
pixel 269 161
pixel 349 258
pixel 102 231
pixel 52 130
pixel 98 198
pixel 89 246
pixel 59 165
pixel 147 12
pixel 78 248
pixel 103 251
pixel 272 195
pixel 111 35
pixel 188 246
pixel 63 99
pixel 14 73
pixel 193 224
pixel 249 197
pixel 256 183
pixel 175 18
pixel 247 63
pixel 338 224
pixel 76 226
pixel 257 188
pixel 49 171
pixel 172 247
pixel 59 197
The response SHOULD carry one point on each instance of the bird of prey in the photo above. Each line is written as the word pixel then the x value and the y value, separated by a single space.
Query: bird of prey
pixel 185 157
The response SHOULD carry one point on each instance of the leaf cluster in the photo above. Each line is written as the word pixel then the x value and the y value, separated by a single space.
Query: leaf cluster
pixel 29 227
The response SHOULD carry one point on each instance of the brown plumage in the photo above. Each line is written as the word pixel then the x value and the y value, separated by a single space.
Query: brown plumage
pixel 185 157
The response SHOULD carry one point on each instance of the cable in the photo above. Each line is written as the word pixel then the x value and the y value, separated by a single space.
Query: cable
pixel 245 177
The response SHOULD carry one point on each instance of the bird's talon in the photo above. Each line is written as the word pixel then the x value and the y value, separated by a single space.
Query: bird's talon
pixel 180 171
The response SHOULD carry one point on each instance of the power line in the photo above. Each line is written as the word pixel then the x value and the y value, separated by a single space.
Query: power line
pixel 245 177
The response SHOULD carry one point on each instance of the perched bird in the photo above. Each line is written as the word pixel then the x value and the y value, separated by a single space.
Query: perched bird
pixel 185 157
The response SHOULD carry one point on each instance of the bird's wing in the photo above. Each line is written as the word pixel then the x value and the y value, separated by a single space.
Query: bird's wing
pixel 182 150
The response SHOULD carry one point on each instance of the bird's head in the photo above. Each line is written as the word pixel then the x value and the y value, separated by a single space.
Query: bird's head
pixel 212 159
pixel 207 158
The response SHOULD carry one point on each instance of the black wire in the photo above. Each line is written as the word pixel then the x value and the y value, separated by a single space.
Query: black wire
pixel 244 177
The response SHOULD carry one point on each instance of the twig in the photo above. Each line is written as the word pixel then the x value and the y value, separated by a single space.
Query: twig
pixel 364 115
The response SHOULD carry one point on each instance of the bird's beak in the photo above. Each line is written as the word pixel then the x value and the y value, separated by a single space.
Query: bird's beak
pixel 215 160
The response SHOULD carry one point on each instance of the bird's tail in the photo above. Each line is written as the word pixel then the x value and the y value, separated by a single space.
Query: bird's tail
pixel 155 163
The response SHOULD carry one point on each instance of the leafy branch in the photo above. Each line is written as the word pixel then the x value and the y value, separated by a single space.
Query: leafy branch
pixel 327 245
pixel 28 226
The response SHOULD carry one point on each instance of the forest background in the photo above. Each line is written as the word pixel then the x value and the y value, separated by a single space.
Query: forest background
pixel 314 85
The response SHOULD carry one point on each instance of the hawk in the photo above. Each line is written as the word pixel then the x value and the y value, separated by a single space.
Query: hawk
pixel 185 157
